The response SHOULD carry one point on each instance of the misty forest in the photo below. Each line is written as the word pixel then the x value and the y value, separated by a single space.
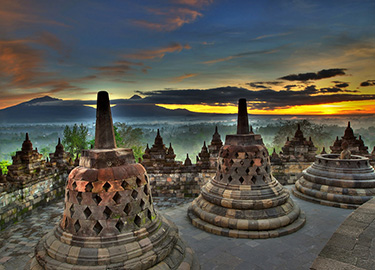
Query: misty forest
pixel 184 137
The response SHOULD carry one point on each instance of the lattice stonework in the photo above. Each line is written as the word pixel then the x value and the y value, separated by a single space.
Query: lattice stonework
pixel 94 196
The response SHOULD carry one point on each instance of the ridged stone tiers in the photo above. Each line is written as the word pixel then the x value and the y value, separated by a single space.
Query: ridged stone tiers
pixel 109 221
pixel 345 183
pixel 243 199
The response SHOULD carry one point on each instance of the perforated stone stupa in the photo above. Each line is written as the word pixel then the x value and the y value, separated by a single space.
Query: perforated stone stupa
pixel 109 221
pixel 244 199
pixel 345 183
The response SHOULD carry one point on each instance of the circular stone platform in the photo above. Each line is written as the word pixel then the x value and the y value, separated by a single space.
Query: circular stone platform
pixel 345 183
pixel 244 200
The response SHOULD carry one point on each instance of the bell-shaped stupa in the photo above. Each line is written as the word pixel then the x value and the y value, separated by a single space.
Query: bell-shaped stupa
pixel 244 199
pixel 109 221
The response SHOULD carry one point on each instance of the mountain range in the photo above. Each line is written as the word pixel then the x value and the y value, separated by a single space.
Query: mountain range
pixel 50 110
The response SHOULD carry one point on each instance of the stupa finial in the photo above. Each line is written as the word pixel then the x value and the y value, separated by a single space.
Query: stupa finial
pixel 242 120
pixel 104 133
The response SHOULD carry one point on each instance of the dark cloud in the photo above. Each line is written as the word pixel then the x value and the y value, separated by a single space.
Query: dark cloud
pixel 340 84
pixel 336 90
pixel 258 99
pixel 322 74
pixel 290 86
pixel 256 85
pixel 368 83
pixel 263 85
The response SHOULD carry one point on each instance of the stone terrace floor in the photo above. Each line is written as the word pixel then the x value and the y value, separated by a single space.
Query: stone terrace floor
pixel 294 251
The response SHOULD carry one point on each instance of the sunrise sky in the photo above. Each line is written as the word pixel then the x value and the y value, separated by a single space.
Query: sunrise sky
pixel 283 56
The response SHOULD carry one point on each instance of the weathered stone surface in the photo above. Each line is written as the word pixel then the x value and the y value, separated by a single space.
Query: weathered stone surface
pixel 243 199
pixel 351 246
pixel 109 221
pixel 345 183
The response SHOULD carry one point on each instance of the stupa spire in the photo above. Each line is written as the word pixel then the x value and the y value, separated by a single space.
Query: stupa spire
pixel 104 132
pixel 242 120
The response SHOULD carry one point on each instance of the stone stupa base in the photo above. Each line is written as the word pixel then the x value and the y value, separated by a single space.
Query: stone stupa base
pixel 226 224
pixel 342 183
pixel 138 251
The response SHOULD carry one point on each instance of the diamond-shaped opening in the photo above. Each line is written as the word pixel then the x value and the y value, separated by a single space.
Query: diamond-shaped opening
pixel 77 226
pixel 67 195
pixel 142 204
pixel 219 167
pixel 137 221
pixel 71 209
pixel 117 198
pixel 231 162
pixel 247 170
pixel 134 194
pixel 227 153
pixel 74 185
pixel 149 215
pixel 124 185
pixel 127 209
pixel 89 187
pixel 236 155
pixel 97 228
pixel 107 212
pixel 79 197
pixel 106 186
pixel 230 179
pixel 87 212
pixel 139 182
pixel 221 176
pixel 241 180
pixel 236 170
pixel 246 155
pixel 258 170
pixel 253 179
pixel 264 178
pixel 145 190
pixel 119 225
pixel 251 163
pixel 96 198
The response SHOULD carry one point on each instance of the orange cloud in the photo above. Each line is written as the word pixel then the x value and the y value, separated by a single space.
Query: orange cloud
pixel 158 53
pixel 14 14
pixel 19 62
pixel 53 42
pixel 196 3
pixel 169 19
pixel 183 77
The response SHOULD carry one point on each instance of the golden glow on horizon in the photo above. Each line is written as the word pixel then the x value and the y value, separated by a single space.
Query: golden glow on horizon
pixel 348 107
pixel 94 105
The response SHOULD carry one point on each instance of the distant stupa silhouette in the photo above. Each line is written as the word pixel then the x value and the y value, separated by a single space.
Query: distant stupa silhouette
pixel 109 221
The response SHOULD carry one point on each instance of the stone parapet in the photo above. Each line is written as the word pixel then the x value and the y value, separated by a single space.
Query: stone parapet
pixel 16 202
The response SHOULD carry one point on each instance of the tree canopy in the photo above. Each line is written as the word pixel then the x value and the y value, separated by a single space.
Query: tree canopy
pixel 75 139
